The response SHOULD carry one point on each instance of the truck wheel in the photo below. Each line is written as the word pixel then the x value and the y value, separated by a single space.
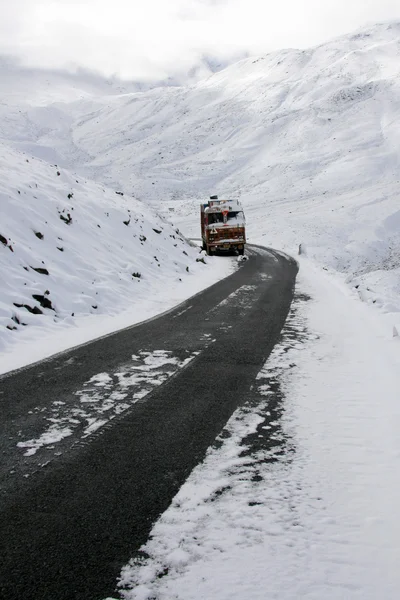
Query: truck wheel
pixel 208 249
pixel 240 251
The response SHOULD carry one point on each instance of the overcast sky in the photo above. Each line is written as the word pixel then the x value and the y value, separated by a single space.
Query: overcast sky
pixel 150 39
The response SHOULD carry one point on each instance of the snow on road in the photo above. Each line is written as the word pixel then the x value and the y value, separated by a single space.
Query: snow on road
pixel 104 397
pixel 311 513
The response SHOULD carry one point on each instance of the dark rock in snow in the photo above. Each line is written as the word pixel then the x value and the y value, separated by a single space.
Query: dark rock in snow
pixel 35 310
pixel 67 219
pixel 40 270
pixel 43 301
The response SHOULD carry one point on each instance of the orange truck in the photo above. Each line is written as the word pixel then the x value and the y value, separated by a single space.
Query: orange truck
pixel 222 226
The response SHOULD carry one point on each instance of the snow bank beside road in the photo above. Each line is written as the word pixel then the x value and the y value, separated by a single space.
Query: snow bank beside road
pixel 78 260
pixel 309 513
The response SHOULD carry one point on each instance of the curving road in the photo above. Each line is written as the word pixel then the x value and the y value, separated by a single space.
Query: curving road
pixel 95 443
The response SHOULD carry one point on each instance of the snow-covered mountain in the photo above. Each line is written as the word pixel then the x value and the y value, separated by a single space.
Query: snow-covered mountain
pixel 73 253
pixel 307 139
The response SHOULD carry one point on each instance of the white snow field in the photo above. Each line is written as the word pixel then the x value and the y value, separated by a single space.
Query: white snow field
pixel 309 142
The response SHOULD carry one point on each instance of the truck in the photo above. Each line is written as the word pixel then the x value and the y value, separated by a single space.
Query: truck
pixel 223 226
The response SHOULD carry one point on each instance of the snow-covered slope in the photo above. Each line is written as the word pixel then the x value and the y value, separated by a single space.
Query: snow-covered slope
pixel 40 87
pixel 71 249
pixel 308 139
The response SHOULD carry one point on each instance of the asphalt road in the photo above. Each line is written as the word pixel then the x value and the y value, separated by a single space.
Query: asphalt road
pixel 73 512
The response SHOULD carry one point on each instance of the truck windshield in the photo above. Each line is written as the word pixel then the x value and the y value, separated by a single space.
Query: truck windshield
pixel 233 218
pixel 237 217
pixel 215 218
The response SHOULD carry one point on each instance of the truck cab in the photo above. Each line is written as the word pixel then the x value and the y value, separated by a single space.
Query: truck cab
pixel 223 226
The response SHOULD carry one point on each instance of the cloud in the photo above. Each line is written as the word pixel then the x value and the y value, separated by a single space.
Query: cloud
pixel 152 39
